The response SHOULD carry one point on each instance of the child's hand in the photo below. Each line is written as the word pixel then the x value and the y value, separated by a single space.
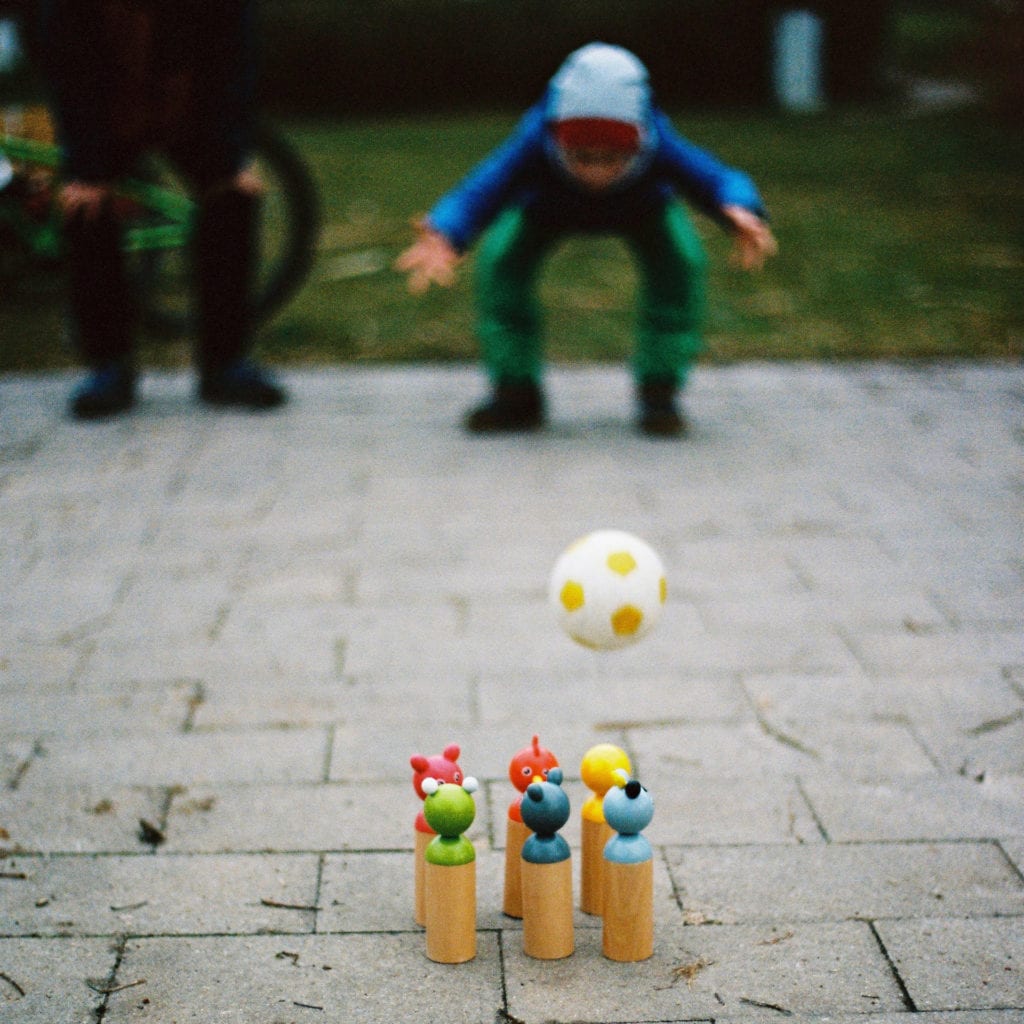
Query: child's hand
pixel 431 259
pixel 754 242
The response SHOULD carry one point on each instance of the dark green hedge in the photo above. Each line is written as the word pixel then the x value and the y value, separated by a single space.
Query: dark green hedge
pixel 343 56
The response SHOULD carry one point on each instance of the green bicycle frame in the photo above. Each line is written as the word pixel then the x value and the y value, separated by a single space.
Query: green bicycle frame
pixel 176 211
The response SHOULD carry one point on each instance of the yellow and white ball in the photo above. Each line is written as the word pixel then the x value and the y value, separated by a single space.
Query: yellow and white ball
pixel 607 589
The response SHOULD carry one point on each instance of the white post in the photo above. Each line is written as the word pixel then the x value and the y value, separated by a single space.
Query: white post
pixel 797 71
pixel 10 46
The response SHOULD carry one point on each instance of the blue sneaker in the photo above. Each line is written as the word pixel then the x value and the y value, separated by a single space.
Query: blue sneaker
pixel 107 391
pixel 244 384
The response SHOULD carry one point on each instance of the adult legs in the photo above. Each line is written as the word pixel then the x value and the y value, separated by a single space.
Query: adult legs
pixel 224 261
pixel 101 306
pixel 207 101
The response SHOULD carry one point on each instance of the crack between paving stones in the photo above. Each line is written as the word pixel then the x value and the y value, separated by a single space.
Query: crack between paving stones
pixel 13 984
pixel 677 892
pixel 1009 860
pixel 849 643
pixel 196 699
pixel 995 724
pixel 780 737
pixel 106 988
pixel 811 810
pixel 502 1016
pixel 908 1000
pixel 37 751
pixel 331 735
pixel 317 891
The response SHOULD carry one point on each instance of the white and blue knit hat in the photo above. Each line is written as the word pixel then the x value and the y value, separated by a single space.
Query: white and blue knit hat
pixel 600 97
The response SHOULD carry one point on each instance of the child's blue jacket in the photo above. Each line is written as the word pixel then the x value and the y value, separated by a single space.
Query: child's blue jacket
pixel 525 171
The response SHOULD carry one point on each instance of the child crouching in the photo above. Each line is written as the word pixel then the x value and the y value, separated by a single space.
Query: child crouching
pixel 594 155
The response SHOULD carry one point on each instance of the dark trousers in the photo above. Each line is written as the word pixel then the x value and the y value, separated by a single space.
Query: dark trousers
pixel 133 77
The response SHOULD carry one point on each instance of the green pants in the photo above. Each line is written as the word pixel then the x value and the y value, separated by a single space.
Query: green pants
pixel 670 304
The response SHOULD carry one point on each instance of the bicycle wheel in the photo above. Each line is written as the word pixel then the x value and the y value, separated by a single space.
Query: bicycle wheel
pixel 289 227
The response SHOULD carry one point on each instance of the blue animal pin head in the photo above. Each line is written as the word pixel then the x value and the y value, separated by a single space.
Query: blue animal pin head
pixel 628 807
pixel 546 806
pixel 545 809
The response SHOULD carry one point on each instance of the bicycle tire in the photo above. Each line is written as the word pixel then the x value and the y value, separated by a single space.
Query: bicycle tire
pixel 284 262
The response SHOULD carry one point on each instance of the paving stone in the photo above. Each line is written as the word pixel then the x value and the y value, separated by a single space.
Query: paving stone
pixel 1015 851
pixel 149 660
pixel 267 980
pixel 924 807
pixel 77 819
pixel 860 750
pixel 57 609
pixel 995 746
pixel 694 809
pixel 615 698
pixel 58 712
pixel 977 703
pixel 15 753
pixel 374 892
pixel 888 610
pixel 954 1017
pixel 836 882
pixel 382 752
pixel 966 650
pixel 789 697
pixel 23 666
pixel 231 703
pixel 950 964
pixel 240 628
pixel 296 755
pixel 53 981
pixel 709 973
pixel 158 894
pixel 290 817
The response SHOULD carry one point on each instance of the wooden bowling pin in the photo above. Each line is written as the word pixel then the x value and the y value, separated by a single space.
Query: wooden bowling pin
pixel 627 931
pixel 443 767
pixel 547 872
pixel 597 771
pixel 531 764
pixel 450 872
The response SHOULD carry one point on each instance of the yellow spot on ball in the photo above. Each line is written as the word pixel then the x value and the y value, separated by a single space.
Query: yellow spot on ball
pixel 663 589
pixel 621 562
pixel 626 620
pixel 571 596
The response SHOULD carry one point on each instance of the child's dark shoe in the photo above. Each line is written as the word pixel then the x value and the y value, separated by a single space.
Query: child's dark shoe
pixel 243 384
pixel 107 391
pixel 514 406
pixel 660 415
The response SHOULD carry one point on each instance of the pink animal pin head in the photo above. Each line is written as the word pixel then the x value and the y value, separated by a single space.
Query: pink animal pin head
pixel 444 767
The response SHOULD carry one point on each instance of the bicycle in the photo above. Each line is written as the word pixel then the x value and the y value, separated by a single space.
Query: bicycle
pixel 159 217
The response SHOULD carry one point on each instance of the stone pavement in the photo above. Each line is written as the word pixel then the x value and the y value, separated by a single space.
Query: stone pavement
pixel 224 635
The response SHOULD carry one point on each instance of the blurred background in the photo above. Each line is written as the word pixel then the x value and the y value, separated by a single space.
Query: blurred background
pixel 885 136
pixel 359 56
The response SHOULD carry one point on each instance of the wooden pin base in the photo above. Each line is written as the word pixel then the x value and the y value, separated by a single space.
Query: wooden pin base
pixel 516 833
pixel 547 910
pixel 420 897
pixel 628 931
pixel 594 835
pixel 451 912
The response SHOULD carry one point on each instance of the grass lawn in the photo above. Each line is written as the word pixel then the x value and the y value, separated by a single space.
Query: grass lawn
pixel 901 237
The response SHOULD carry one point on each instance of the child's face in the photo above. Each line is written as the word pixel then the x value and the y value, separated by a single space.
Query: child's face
pixel 596 168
